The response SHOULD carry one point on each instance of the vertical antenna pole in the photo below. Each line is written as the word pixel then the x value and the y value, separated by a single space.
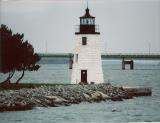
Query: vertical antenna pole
pixel 149 48
pixel 46 47
pixel 106 47
pixel 87 3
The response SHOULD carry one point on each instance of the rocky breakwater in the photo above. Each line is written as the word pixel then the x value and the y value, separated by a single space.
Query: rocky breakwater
pixel 65 95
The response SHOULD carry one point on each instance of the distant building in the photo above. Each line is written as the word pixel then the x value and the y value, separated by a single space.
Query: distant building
pixel 87 64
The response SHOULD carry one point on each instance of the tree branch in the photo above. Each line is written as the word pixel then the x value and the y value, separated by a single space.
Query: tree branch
pixel 17 82
pixel 12 74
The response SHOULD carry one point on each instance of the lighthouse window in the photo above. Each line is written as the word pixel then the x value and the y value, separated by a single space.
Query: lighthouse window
pixel 81 21
pixel 87 21
pixel 84 40
pixel 84 21
pixel 92 21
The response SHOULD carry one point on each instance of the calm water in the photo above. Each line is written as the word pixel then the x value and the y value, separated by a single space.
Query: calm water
pixel 146 73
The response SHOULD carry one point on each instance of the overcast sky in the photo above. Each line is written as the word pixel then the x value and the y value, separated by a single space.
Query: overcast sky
pixel 126 26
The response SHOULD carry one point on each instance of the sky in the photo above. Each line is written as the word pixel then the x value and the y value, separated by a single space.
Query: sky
pixel 126 26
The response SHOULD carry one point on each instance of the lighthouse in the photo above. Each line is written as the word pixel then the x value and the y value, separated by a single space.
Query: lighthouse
pixel 87 64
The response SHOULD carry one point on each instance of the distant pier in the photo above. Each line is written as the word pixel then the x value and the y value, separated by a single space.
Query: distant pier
pixel 138 91
pixel 130 62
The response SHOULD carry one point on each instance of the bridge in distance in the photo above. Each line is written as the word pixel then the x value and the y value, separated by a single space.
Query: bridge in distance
pixel 109 56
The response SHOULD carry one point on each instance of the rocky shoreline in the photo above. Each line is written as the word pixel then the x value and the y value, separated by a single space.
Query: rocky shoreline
pixel 60 95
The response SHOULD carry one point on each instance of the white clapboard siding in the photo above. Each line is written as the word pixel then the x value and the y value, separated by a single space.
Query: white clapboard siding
pixel 89 58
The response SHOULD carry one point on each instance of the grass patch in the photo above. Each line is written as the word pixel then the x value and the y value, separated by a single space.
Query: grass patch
pixel 46 84
pixel 13 86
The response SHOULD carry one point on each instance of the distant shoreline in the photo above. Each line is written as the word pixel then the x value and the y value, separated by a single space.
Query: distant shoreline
pixel 144 56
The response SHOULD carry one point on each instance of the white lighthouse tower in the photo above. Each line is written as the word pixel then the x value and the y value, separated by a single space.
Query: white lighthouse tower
pixel 87 64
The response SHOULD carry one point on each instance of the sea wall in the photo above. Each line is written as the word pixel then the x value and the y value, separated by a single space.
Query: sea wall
pixel 60 95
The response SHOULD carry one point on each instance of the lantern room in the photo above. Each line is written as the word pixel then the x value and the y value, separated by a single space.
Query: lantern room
pixel 87 24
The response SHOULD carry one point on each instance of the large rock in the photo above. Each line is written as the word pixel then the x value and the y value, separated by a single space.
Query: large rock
pixel 96 96
pixel 87 97
pixel 104 96
pixel 57 99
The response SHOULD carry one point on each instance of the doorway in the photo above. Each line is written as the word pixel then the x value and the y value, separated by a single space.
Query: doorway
pixel 84 76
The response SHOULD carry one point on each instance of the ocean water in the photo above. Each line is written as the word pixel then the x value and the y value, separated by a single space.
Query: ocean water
pixel 55 70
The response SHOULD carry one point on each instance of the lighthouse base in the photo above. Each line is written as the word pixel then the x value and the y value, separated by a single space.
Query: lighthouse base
pixel 87 73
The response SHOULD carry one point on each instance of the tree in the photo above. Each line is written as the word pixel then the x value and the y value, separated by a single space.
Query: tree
pixel 16 54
